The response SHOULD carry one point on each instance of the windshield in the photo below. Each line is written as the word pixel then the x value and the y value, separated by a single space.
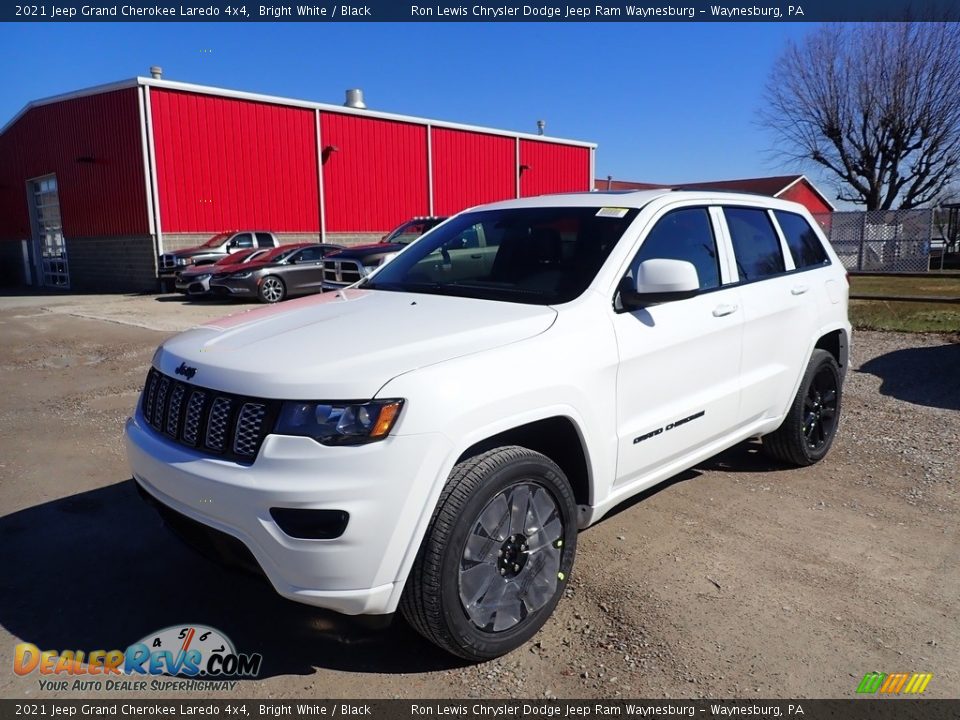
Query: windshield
pixel 276 254
pixel 236 257
pixel 216 240
pixel 540 256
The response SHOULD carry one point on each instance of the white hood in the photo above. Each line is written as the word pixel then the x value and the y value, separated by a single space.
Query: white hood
pixel 344 345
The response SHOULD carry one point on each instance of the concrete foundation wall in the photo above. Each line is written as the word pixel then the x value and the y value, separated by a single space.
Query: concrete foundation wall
pixel 113 264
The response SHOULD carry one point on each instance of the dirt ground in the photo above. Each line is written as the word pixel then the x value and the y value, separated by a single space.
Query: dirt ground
pixel 738 578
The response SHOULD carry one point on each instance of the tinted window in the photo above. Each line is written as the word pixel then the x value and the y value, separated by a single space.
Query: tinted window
pixel 684 235
pixel 756 247
pixel 265 240
pixel 803 242
pixel 242 241
pixel 309 255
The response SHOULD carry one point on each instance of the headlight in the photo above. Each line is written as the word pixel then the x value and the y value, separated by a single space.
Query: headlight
pixel 183 261
pixel 240 275
pixel 367 269
pixel 339 423
pixel 201 278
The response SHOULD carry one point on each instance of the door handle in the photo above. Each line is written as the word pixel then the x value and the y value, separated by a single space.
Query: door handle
pixel 799 290
pixel 476 257
pixel 721 310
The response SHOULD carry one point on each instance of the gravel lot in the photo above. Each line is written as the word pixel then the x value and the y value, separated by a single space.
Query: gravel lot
pixel 738 578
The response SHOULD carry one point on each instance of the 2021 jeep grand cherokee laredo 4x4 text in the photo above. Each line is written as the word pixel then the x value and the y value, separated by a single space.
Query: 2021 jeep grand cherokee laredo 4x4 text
pixel 483 407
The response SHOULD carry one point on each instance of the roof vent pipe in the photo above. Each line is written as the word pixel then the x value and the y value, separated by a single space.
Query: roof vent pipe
pixel 355 99
pixel 156 72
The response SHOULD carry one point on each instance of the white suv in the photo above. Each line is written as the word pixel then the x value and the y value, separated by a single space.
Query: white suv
pixel 432 438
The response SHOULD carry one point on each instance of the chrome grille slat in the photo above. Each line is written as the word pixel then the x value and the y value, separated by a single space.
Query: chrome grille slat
pixel 249 424
pixel 161 402
pixel 217 423
pixel 149 393
pixel 191 424
pixel 173 411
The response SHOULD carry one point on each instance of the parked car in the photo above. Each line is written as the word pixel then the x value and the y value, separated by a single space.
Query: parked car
pixel 433 439
pixel 195 280
pixel 349 265
pixel 215 248
pixel 298 272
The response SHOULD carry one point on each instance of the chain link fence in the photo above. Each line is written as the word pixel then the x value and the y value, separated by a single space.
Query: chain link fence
pixel 881 240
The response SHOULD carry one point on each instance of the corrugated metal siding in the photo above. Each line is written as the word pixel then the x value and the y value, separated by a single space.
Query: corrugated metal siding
pixel 100 196
pixel 801 193
pixel 553 168
pixel 470 169
pixel 377 178
pixel 225 164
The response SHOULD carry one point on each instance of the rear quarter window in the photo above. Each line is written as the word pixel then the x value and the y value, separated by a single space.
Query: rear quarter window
pixel 805 247
pixel 756 246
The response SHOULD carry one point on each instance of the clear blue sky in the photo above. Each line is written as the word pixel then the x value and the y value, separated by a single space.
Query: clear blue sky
pixel 666 102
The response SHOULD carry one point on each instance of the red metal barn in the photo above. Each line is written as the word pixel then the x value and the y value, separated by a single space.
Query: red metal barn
pixel 96 184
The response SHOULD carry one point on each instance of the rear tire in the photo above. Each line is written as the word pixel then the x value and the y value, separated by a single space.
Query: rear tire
pixel 497 555
pixel 271 289
pixel 811 423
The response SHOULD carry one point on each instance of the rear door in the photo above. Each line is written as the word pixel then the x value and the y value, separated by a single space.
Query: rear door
pixel 779 319
pixel 266 240
pixel 678 378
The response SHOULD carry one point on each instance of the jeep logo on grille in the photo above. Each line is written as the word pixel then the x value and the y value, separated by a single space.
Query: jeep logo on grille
pixel 185 370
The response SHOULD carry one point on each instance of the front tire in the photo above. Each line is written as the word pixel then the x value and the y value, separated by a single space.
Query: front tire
pixel 497 555
pixel 811 423
pixel 271 289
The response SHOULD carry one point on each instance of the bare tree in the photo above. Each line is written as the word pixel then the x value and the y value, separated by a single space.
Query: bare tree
pixel 878 105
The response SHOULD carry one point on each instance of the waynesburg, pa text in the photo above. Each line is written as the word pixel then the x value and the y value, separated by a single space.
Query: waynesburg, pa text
pixel 626 12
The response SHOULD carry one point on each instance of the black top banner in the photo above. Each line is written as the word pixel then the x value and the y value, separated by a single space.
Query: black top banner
pixel 624 11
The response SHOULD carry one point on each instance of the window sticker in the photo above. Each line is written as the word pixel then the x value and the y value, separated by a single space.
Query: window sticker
pixel 609 212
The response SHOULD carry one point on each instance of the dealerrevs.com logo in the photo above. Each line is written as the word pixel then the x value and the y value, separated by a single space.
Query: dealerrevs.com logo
pixel 183 651
pixel 894 683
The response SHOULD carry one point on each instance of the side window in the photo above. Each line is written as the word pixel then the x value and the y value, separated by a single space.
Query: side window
pixel 756 247
pixel 244 240
pixel 684 235
pixel 265 240
pixel 310 255
pixel 803 242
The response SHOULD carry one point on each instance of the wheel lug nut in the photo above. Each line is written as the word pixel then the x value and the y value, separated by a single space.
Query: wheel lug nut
pixel 503 571
pixel 516 568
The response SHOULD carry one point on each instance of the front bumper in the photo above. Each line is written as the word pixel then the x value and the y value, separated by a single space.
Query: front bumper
pixel 193 285
pixel 240 288
pixel 383 486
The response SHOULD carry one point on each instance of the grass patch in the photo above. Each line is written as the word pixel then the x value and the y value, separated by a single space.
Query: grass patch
pixel 920 286
pixel 905 316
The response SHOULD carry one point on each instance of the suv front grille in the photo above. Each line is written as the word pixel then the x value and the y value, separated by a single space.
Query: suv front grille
pixel 168 261
pixel 341 272
pixel 215 423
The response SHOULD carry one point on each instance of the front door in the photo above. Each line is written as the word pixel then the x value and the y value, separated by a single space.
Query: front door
pixel 50 250
pixel 678 383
